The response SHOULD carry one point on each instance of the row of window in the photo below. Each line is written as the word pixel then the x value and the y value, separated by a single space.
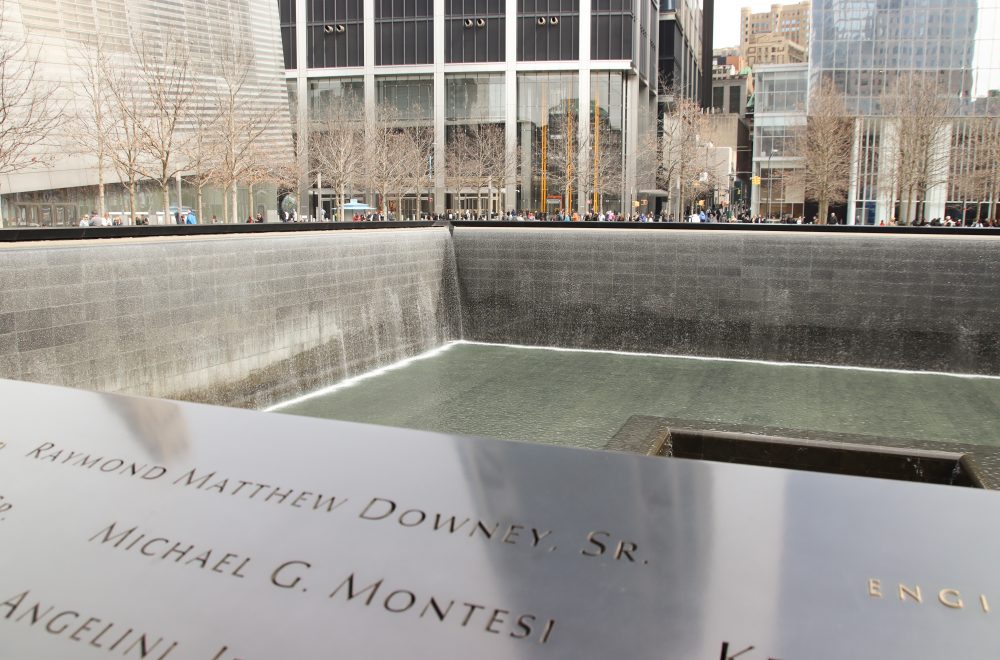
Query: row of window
pixel 469 38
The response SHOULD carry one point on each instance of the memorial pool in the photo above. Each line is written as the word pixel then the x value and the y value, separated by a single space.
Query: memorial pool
pixel 581 398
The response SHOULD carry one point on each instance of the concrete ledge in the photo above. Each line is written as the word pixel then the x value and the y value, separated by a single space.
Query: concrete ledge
pixel 725 226
pixel 19 234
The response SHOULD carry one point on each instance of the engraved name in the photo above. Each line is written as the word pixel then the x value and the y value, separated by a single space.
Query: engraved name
pixel 93 631
pixel 492 620
pixel 47 452
pixel 914 593
pixel 165 549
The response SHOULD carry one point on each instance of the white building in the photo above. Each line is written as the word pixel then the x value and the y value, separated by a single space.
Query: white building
pixel 62 34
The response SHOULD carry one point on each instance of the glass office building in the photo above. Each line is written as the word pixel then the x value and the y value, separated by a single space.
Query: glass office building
pixel 866 47
pixel 780 92
pixel 570 85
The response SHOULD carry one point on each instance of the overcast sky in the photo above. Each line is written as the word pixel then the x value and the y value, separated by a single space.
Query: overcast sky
pixel 727 19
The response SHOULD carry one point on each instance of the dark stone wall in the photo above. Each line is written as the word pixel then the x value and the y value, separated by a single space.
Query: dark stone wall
pixel 244 321
pixel 906 302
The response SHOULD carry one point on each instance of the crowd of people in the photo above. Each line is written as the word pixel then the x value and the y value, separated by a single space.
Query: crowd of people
pixel 717 215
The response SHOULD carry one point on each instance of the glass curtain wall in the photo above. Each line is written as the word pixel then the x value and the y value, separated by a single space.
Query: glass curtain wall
pixel 780 115
pixel 547 121
pixel 327 92
pixel 410 97
pixel 866 47
pixel 475 138
pixel 604 175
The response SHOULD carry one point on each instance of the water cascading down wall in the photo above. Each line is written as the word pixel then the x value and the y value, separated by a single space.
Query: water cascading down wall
pixel 896 301
pixel 252 320
pixel 243 321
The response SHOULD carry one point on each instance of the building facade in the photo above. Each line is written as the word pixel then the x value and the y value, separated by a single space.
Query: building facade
pixel 789 21
pixel 680 47
pixel 62 37
pixel 780 92
pixel 730 126
pixel 774 49
pixel 778 36
pixel 867 50
pixel 540 70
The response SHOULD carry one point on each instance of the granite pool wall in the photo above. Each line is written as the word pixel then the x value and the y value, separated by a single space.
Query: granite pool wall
pixel 876 300
pixel 242 321
pixel 255 319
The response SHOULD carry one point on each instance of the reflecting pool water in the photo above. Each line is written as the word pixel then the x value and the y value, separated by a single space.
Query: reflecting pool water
pixel 582 398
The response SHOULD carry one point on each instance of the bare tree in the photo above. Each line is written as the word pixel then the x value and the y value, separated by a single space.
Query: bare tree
pixel 241 121
pixel 564 155
pixel 338 151
pixel 419 155
pixel 976 175
pixel 94 115
pixel 988 165
pixel 478 159
pixel 201 149
pixel 670 152
pixel 125 134
pixel 824 144
pixel 917 111
pixel 164 72
pixel 604 176
pixel 262 170
pixel 384 146
pixel 463 169
pixel 28 111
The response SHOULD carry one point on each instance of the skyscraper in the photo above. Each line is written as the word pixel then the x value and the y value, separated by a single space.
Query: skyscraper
pixel 871 49
pixel 571 84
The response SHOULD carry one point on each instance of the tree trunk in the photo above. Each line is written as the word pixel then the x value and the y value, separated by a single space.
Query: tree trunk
pixel 824 210
pixel 225 204
pixel 165 188
pixel 131 200
pixel 340 202
pixel 201 216
pixel 250 208
pixel 100 186
pixel 236 213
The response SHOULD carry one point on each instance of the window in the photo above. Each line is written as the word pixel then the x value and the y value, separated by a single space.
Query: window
pixel 474 98
pixel 717 100
pixel 286 17
pixel 324 92
pixel 548 30
pixel 474 31
pixel 336 33
pixel 611 33
pixel 735 100
pixel 412 97
pixel 404 32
